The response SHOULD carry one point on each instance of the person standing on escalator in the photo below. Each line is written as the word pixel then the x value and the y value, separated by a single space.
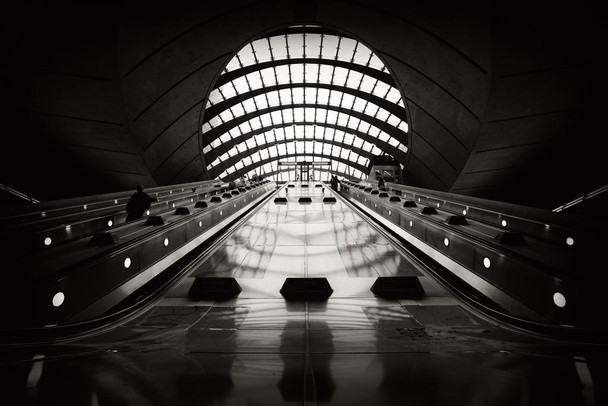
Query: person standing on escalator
pixel 381 184
pixel 137 204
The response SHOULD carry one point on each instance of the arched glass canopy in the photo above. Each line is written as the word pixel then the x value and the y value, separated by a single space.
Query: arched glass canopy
pixel 302 94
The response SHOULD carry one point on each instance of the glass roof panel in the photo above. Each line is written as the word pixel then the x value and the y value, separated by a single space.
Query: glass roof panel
pixel 362 54
pixel 277 46
pixel 325 56
pixel 297 73
pixel 282 74
pixel 296 45
pixel 330 45
pixel 262 51
pixel 339 78
pixel 313 45
pixel 246 56
pixel 233 64
pixel 347 49
pixel 254 80
pixel 326 73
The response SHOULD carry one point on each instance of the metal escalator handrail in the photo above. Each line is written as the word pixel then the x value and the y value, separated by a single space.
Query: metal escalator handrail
pixel 489 245
pixel 486 309
pixel 147 295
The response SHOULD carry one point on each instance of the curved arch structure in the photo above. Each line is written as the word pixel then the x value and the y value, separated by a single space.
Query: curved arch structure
pixel 302 92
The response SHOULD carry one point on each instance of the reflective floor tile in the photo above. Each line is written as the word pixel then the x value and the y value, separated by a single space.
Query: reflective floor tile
pixel 170 316
pixel 412 378
pixel 264 341
pixel 290 234
pixel 255 262
pixel 267 313
pixel 431 288
pixel 397 265
pixel 324 261
pixel 356 263
pixel 322 234
pixel 441 316
pixel 287 261
pixel 268 236
pixel 338 314
pixel 294 217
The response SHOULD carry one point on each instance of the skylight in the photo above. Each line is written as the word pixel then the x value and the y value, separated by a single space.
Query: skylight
pixel 302 94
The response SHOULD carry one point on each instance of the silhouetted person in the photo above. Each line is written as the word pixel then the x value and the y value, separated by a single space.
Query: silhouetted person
pixel 138 204
pixel 334 183
pixel 381 183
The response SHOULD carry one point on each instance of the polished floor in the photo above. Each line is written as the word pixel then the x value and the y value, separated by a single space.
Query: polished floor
pixel 353 349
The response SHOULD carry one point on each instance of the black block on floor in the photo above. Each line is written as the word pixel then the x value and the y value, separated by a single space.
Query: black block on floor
pixel 155 221
pixel 383 194
pixel 428 210
pixel 394 199
pixel 201 204
pixel 209 288
pixel 302 289
pixel 304 200
pixel 409 203
pixel 329 200
pixel 291 185
pixel 227 195
pixel 318 185
pixel 104 239
pixel 216 199
pixel 280 200
pixel 182 211
pixel 457 220
pixel 398 287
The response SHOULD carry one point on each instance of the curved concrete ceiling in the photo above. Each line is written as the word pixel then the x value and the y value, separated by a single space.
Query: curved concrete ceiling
pixel 502 103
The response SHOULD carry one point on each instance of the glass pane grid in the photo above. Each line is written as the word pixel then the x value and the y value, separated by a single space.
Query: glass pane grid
pixel 302 130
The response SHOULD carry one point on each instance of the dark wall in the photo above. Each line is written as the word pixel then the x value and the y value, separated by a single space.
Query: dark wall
pixel 64 131
pixel 540 139
pixel 505 101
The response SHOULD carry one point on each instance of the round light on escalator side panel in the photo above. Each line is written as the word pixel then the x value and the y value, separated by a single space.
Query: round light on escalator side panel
pixel 559 299
pixel 58 299
pixel 486 262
